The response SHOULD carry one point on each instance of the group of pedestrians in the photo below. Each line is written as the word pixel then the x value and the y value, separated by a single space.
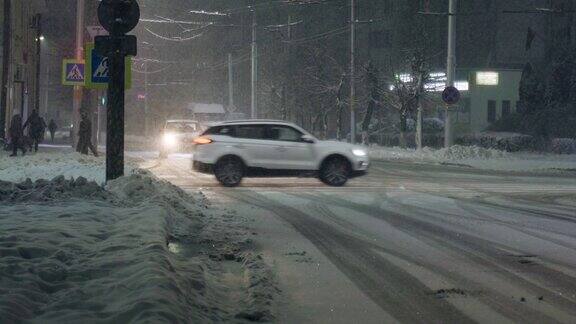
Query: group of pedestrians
pixel 36 130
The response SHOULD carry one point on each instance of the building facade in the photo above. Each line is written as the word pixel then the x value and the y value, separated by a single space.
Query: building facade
pixel 21 21
pixel 490 95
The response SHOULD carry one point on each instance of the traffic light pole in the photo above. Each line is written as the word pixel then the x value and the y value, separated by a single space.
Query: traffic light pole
pixel 115 118
pixel 118 18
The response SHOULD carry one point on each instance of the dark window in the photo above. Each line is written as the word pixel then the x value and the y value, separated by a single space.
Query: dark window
pixel 219 130
pixel 284 133
pixel 379 39
pixel 251 131
pixel 519 107
pixel 506 108
pixel 491 111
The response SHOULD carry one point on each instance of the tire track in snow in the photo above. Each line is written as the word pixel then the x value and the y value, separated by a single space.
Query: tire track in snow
pixel 393 289
pixel 485 254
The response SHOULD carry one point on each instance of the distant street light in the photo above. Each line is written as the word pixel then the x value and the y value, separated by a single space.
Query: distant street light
pixel 42 37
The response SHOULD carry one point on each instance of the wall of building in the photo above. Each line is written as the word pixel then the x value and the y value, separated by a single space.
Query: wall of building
pixel 22 78
pixel 480 95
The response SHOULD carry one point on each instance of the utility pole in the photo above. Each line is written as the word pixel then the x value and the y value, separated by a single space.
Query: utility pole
pixel 230 84
pixel 146 98
pixel 38 61
pixel 77 101
pixel 6 50
pixel 254 111
pixel 47 86
pixel 286 86
pixel 451 70
pixel 352 71
pixel 419 117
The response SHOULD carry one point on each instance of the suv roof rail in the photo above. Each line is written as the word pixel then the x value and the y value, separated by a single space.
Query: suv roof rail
pixel 255 121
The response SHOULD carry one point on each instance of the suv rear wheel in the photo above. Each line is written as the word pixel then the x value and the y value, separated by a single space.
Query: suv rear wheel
pixel 229 171
pixel 335 171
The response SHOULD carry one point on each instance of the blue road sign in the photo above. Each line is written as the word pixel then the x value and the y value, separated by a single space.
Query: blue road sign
pixel 451 95
pixel 73 72
pixel 97 69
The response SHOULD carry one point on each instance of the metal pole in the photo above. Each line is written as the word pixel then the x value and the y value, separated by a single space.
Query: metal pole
pixel 77 100
pixel 451 69
pixel 254 112
pixel 47 86
pixel 419 117
pixel 145 98
pixel 230 84
pixel 352 72
pixel 115 120
pixel 6 50
pixel 99 95
pixel 38 61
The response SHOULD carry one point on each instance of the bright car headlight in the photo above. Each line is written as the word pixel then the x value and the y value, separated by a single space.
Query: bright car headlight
pixel 359 153
pixel 169 139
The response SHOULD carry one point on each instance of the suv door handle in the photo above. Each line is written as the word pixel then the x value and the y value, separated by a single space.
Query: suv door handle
pixel 281 149
pixel 239 146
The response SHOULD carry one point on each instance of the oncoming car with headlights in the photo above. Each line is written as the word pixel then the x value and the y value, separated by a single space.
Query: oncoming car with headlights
pixel 178 136
pixel 233 150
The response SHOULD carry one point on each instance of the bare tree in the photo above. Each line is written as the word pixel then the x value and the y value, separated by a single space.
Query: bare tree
pixel 408 91
pixel 374 90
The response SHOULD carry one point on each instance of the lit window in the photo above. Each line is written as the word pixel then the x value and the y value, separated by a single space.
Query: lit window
pixel 462 85
pixel 404 77
pixel 487 78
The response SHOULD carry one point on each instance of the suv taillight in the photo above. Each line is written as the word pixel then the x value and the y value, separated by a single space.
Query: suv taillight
pixel 202 140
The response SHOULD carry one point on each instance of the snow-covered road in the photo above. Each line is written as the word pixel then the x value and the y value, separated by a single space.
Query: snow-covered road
pixel 411 243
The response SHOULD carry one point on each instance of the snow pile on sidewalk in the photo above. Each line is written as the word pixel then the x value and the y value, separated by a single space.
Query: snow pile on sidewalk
pixel 48 165
pixel 477 157
pixel 139 250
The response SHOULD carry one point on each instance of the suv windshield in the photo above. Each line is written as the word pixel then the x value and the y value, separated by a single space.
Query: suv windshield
pixel 181 127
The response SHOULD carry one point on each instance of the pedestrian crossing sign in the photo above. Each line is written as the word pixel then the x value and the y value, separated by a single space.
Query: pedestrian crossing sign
pixel 97 70
pixel 73 72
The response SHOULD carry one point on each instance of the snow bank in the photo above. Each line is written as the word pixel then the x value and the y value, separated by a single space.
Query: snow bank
pixel 477 157
pixel 48 165
pixel 431 155
pixel 139 250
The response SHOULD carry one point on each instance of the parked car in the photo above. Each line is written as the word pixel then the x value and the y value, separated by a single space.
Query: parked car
pixel 178 136
pixel 237 149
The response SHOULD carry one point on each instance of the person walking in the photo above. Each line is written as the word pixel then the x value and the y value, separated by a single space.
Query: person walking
pixel 43 129
pixel 85 137
pixel 52 127
pixel 36 127
pixel 17 135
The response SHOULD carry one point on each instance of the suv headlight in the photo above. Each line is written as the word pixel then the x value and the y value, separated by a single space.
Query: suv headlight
pixel 359 152
pixel 169 139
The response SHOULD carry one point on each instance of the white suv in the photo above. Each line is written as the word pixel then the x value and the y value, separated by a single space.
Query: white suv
pixel 177 136
pixel 232 150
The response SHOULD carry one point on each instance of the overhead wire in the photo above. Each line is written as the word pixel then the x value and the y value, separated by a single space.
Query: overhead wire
pixel 173 39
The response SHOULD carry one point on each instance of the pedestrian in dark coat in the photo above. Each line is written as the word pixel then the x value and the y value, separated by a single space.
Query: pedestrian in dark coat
pixel 17 135
pixel 52 127
pixel 36 127
pixel 85 137
pixel 44 126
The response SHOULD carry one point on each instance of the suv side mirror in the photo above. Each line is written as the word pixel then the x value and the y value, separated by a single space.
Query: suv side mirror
pixel 308 139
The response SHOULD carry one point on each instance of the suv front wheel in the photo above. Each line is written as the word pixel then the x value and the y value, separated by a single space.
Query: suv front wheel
pixel 229 171
pixel 335 171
